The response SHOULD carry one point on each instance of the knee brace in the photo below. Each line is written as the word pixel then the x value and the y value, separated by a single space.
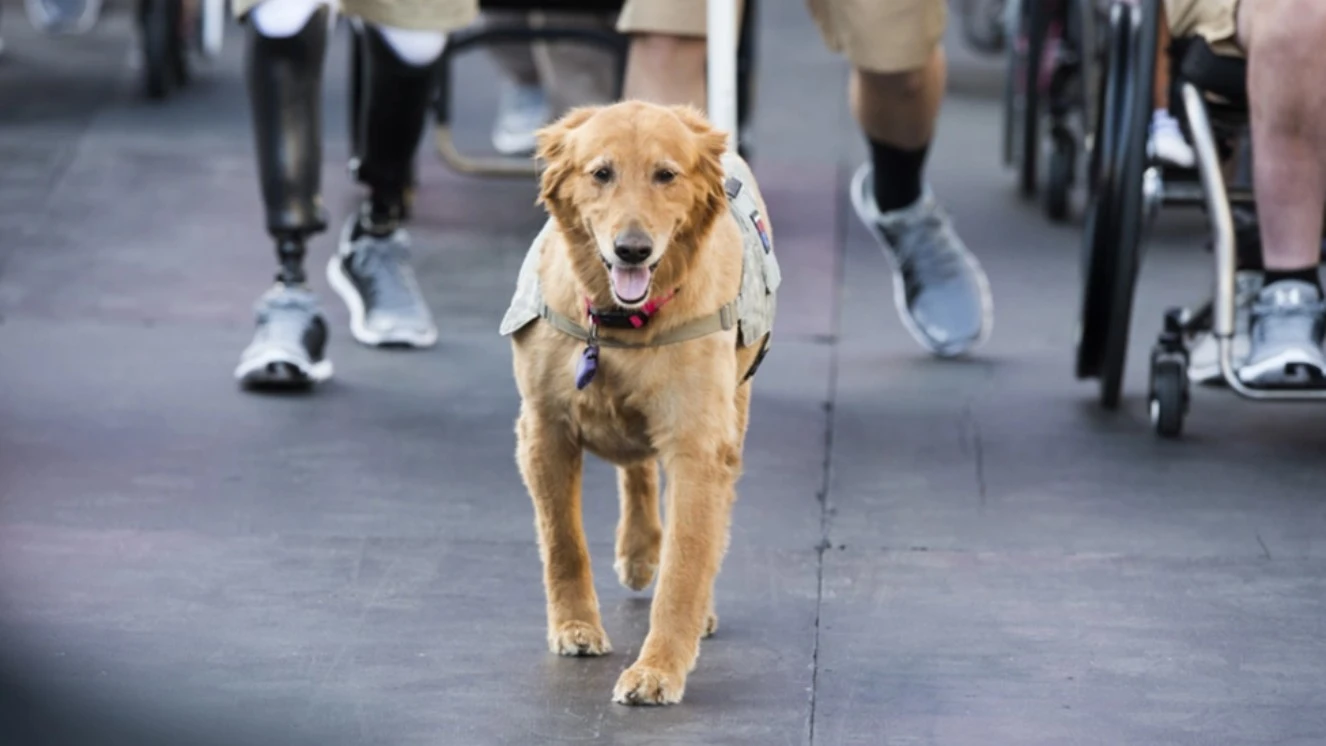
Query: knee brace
pixel 286 46
pixel 398 84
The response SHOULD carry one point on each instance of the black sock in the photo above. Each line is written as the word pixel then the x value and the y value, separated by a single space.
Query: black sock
pixel 1307 274
pixel 897 175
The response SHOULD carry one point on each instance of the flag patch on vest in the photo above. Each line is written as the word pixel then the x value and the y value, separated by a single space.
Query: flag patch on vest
pixel 758 221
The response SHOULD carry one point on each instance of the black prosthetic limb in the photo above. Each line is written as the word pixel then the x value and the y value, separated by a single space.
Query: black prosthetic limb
pixel 285 95
pixel 394 107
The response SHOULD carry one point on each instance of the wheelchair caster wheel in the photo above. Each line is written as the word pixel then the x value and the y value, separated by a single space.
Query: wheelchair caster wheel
pixel 1168 401
pixel 1060 186
pixel 1169 398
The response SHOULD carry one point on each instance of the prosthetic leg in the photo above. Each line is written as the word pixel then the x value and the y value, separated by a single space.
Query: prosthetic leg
pixel 371 271
pixel 286 50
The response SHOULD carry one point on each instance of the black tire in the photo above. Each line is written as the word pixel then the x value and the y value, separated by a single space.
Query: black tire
pixel 1168 402
pixel 1099 234
pixel 1059 186
pixel 1130 211
pixel 1036 21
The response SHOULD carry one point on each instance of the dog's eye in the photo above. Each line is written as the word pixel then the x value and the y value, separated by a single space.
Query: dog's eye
pixel 603 175
pixel 664 176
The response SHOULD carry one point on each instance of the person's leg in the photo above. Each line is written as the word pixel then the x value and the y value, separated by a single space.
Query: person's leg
pixel 666 62
pixel 1166 142
pixel 574 74
pixel 1287 86
pixel 371 269
pixel 285 45
pixel 522 106
pixel 896 90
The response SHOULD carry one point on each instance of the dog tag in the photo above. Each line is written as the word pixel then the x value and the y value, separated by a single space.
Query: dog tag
pixel 587 367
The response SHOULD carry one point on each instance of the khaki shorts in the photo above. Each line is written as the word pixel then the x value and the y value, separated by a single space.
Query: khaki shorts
pixel 1216 21
pixel 882 36
pixel 415 15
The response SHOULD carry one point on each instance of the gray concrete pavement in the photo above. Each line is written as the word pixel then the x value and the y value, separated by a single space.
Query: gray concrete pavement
pixel 923 553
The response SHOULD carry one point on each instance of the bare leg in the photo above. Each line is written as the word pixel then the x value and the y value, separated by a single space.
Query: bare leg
pixel 900 109
pixel 1288 73
pixel 666 70
pixel 1287 79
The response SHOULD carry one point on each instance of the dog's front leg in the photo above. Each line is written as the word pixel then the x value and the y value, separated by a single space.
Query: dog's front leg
pixel 700 492
pixel 551 465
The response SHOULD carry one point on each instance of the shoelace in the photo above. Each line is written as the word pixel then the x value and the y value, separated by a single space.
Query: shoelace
pixel 926 253
pixel 286 318
pixel 383 263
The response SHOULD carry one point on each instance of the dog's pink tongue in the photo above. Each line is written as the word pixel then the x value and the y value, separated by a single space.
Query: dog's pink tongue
pixel 630 283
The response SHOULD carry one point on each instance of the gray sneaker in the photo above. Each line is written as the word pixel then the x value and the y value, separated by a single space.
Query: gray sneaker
pixel 1288 323
pixel 373 276
pixel 939 288
pixel 1204 355
pixel 288 346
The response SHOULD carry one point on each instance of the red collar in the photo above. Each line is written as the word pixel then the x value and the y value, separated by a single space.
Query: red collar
pixel 627 319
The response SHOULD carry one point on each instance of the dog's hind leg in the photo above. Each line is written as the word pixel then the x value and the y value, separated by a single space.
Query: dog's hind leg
pixel 551 465
pixel 639 531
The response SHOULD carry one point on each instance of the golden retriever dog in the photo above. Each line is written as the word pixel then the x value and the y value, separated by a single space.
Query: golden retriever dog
pixel 643 259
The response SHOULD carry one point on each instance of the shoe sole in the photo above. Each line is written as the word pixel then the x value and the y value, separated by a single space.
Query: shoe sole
pixel 1289 369
pixel 341 284
pixel 900 290
pixel 277 370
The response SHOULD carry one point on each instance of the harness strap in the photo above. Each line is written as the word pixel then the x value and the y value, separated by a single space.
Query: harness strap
pixel 722 320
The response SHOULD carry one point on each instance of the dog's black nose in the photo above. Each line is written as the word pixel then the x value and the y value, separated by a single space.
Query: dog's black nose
pixel 633 246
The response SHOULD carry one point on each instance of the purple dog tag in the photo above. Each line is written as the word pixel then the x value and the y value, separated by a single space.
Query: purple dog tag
pixel 587 367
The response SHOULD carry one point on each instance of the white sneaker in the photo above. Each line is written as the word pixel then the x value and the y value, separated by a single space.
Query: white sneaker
pixel 1167 143
pixel 521 111
pixel 1204 354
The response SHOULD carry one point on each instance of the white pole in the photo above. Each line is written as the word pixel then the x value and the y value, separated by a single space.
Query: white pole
pixel 722 75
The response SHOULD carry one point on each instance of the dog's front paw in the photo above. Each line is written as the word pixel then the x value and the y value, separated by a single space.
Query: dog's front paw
pixel 643 685
pixel 579 638
pixel 635 574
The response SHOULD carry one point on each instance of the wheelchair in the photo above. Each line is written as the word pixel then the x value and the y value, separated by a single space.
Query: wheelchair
pixel 614 43
pixel 1052 77
pixel 1209 93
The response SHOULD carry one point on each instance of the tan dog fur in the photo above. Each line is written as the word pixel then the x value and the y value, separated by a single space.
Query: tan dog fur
pixel 683 405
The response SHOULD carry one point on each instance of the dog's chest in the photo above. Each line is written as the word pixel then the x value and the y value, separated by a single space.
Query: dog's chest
pixel 613 429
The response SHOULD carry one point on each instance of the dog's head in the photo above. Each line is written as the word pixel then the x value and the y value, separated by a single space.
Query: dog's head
pixel 635 187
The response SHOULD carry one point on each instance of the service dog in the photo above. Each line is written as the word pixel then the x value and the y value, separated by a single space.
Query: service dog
pixel 641 313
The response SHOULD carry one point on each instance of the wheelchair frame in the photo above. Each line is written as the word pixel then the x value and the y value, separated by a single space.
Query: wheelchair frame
pixel 1129 195
pixel 1070 92
pixel 615 43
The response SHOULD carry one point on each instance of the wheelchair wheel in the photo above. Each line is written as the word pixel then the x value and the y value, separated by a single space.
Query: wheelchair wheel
pixel 1059 186
pixel 1022 105
pixel 1116 217
pixel 1167 401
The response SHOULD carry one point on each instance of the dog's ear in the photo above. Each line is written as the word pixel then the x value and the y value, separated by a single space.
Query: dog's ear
pixel 708 173
pixel 551 149
pixel 713 141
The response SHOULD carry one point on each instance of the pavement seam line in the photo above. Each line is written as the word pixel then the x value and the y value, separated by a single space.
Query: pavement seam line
pixel 842 205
